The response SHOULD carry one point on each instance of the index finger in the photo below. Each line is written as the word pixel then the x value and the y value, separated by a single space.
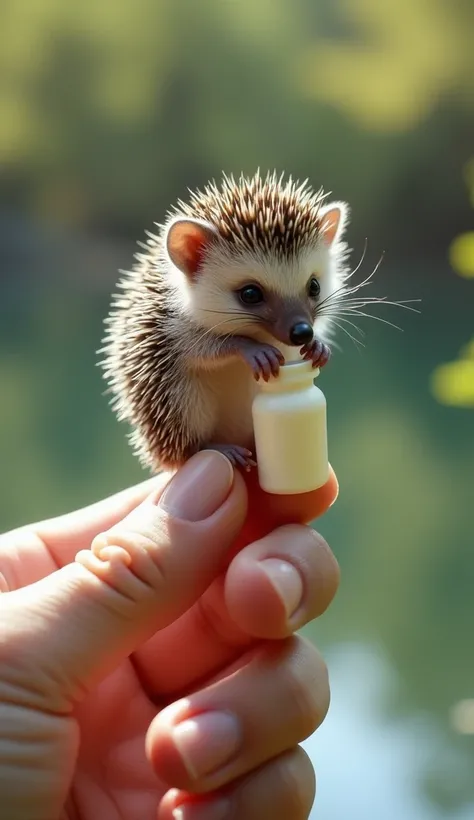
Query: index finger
pixel 267 512
pixel 207 636
pixel 67 534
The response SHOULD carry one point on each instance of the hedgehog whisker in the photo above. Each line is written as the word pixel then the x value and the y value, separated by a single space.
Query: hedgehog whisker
pixel 336 296
pixel 332 296
pixel 355 302
pixel 243 315
pixel 360 261
pixel 227 336
pixel 357 342
pixel 375 300
pixel 342 298
pixel 347 321
pixel 368 278
pixel 343 291
pixel 380 299
pixel 236 316
pixel 211 330
pixel 357 312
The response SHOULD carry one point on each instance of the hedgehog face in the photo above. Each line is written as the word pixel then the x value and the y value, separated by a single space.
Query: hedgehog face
pixel 260 277
pixel 261 297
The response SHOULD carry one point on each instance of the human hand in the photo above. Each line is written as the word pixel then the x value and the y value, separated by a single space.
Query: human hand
pixel 125 619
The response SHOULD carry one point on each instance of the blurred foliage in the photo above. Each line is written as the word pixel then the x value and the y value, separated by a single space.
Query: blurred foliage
pixel 108 112
pixel 346 93
pixel 404 55
pixel 453 383
pixel 462 254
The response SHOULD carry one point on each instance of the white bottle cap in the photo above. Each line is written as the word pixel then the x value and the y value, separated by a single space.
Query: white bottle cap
pixel 289 418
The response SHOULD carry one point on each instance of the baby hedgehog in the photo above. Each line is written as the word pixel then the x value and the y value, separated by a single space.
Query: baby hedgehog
pixel 235 283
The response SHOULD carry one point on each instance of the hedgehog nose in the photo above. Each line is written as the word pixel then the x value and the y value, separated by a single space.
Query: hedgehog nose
pixel 301 333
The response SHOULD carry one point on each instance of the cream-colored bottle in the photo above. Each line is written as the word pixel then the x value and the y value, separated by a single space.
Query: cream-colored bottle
pixel 289 419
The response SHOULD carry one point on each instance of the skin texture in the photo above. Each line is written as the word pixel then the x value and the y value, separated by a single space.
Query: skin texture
pixel 120 621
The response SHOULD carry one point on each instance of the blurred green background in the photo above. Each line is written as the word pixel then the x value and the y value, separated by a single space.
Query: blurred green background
pixel 108 112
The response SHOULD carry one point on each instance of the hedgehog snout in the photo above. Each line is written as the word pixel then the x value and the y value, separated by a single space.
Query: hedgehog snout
pixel 301 333
pixel 293 329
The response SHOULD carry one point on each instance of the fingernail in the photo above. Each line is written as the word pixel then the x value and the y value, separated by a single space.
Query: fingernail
pixel 199 488
pixel 208 810
pixel 286 581
pixel 206 742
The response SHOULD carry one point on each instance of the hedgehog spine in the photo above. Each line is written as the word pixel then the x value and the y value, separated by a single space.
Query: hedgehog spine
pixel 226 291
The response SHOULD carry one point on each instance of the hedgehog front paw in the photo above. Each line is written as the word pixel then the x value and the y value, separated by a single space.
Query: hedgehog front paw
pixel 236 455
pixel 316 352
pixel 264 360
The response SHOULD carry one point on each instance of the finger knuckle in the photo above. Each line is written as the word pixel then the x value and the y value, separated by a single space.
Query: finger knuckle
pixel 297 780
pixel 211 624
pixel 129 562
pixel 308 687
pixel 141 548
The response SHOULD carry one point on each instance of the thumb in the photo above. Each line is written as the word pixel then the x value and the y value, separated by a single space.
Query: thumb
pixel 76 625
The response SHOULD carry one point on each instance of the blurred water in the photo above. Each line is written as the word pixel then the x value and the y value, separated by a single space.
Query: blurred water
pixel 368 768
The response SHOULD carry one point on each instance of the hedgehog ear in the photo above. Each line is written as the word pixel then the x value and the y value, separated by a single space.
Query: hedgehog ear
pixel 186 243
pixel 333 219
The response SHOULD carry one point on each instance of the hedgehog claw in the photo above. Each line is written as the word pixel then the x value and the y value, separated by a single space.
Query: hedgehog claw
pixel 317 353
pixel 264 359
pixel 238 456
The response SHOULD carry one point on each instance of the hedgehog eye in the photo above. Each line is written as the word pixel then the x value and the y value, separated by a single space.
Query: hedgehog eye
pixel 314 288
pixel 251 295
